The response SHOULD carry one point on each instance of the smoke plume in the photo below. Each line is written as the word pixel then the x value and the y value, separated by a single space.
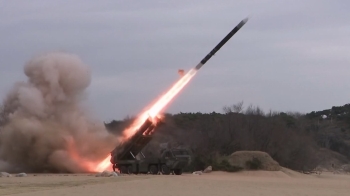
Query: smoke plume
pixel 43 124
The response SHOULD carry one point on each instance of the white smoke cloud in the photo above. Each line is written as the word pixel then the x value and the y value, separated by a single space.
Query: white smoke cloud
pixel 43 125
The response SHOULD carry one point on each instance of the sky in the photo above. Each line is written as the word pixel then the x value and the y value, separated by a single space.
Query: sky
pixel 292 55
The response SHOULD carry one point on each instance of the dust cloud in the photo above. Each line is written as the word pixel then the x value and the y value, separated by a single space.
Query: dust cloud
pixel 44 126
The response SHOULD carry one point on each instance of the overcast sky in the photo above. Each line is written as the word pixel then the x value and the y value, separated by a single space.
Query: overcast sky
pixel 290 56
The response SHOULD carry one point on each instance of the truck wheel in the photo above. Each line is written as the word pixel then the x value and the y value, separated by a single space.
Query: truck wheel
pixel 153 169
pixel 123 170
pixel 165 170
pixel 178 171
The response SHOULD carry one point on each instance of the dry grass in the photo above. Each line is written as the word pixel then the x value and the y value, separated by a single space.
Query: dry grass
pixel 245 183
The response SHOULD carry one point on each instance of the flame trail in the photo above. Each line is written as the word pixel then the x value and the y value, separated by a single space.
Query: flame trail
pixel 154 110
pixel 160 104
pixel 164 100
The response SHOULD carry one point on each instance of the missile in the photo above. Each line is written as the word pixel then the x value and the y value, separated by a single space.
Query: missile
pixel 221 43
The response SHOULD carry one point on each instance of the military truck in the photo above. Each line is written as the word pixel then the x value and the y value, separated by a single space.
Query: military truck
pixel 128 157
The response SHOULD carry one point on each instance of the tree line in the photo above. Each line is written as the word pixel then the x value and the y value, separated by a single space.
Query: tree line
pixel 292 139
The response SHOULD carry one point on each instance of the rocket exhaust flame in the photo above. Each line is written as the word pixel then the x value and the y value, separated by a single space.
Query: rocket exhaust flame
pixel 160 104
pixel 165 99
pixel 103 165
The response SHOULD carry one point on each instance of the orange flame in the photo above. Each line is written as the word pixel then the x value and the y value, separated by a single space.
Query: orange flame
pixel 84 164
pixel 103 165
pixel 160 104
pixel 152 112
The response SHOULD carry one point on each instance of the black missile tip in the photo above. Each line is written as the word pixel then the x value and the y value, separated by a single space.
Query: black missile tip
pixel 246 19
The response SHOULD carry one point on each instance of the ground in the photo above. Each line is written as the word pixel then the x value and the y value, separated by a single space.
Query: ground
pixel 284 182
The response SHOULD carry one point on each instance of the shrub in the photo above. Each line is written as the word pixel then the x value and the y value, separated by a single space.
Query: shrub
pixel 224 165
pixel 254 164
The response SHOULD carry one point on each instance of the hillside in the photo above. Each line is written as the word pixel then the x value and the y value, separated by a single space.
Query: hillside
pixel 296 141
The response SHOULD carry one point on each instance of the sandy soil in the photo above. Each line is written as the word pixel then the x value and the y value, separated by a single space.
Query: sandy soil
pixel 285 182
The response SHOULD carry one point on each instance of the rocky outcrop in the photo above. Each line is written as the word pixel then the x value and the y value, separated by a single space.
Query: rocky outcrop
pixel 21 175
pixel 208 169
pixel 5 174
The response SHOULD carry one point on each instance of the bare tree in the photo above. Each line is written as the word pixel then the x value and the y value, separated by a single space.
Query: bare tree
pixel 235 108
pixel 227 110
pixel 238 107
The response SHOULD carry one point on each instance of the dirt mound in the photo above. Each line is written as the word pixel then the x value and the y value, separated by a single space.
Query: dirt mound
pixel 253 160
pixel 330 160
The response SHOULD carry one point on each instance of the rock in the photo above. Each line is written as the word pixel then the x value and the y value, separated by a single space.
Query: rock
pixel 21 175
pixel 107 174
pixel 346 167
pixel 114 174
pixel 208 169
pixel 197 173
pixel 5 174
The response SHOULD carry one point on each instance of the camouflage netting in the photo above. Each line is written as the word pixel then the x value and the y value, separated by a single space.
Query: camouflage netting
pixel 253 160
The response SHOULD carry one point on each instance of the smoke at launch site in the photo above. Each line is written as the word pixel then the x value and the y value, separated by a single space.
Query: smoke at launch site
pixel 44 125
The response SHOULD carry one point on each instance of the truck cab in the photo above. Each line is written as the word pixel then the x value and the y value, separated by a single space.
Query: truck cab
pixel 176 159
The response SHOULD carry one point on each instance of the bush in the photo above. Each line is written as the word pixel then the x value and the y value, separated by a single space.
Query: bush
pixel 254 164
pixel 224 165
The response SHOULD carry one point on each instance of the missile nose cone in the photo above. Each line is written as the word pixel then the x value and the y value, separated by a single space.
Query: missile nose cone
pixel 246 19
pixel 240 25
